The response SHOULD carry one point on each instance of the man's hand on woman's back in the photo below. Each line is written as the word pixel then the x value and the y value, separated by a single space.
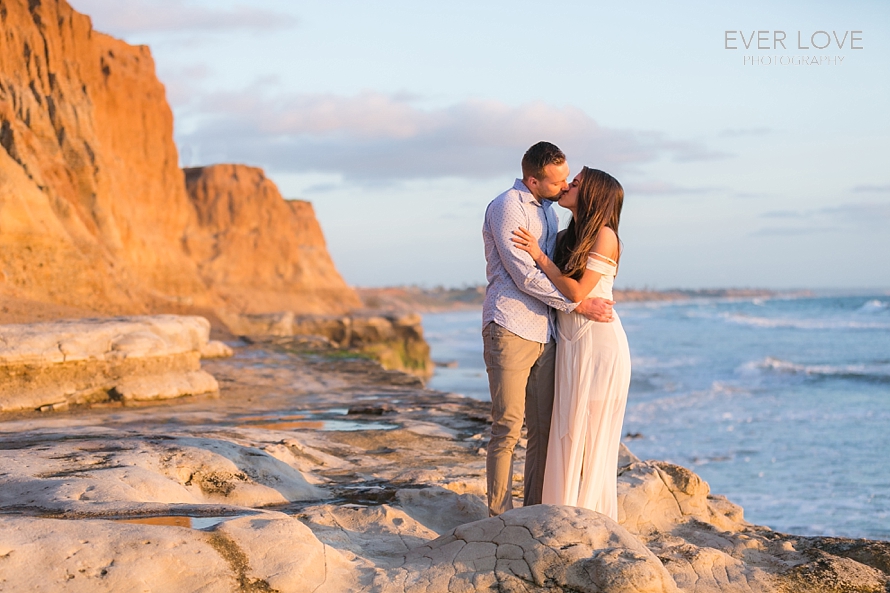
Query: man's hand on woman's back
pixel 596 309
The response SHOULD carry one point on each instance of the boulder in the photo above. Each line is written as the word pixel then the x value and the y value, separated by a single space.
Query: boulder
pixel 538 548
pixel 654 496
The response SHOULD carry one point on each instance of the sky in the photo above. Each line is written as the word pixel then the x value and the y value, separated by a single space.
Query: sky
pixel 401 120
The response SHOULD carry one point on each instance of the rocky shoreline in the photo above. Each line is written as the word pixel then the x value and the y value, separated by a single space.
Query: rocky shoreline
pixel 395 340
pixel 316 470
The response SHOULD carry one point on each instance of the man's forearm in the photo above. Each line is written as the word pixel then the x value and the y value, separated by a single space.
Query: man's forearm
pixel 541 288
pixel 531 280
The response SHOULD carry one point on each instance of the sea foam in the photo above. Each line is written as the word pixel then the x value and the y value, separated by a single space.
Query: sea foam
pixel 808 324
pixel 878 371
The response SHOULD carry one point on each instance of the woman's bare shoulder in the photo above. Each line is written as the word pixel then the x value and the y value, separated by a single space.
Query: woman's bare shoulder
pixel 606 243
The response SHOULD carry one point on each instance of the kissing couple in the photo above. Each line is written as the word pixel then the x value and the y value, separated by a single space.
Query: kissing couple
pixel 555 352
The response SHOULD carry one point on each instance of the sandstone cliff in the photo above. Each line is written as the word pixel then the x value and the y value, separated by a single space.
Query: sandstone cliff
pixel 257 251
pixel 92 201
pixel 93 205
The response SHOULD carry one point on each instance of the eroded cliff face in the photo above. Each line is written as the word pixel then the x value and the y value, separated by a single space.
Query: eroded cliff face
pixel 93 205
pixel 92 201
pixel 257 251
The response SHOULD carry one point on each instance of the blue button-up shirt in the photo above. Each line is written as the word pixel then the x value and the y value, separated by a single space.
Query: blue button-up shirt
pixel 519 295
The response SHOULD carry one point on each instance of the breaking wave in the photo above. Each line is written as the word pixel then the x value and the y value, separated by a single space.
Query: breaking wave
pixel 873 306
pixel 875 372
pixel 773 322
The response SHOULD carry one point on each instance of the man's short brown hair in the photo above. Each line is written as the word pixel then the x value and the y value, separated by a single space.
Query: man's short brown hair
pixel 539 156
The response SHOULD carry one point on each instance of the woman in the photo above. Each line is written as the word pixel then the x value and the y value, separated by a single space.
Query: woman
pixel 592 359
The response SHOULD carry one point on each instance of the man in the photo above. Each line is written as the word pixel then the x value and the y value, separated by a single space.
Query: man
pixel 518 329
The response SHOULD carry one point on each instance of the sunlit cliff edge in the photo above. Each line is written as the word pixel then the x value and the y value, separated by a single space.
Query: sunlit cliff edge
pixel 95 214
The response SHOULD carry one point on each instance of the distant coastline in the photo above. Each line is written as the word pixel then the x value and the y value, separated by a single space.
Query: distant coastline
pixel 438 299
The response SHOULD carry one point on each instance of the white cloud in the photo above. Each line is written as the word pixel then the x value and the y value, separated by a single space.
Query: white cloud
pixel 872 188
pixel 666 188
pixel 850 216
pixel 184 83
pixel 790 231
pixel 787 214
pixel 123 17
pixel 861 212
pixel 373 136
pixel 736 132
pixel 751 194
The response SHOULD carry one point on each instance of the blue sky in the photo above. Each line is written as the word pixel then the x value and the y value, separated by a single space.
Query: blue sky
pixel 400 121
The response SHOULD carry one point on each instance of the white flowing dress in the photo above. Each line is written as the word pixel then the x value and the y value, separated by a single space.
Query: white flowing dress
pixel 592 379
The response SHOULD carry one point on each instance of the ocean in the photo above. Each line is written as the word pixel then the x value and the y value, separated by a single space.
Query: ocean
pixel 780 404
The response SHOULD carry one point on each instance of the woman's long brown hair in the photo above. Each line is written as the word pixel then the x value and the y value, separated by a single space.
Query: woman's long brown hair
pixel 600 198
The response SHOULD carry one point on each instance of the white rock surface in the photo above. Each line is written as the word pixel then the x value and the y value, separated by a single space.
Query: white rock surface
pixel 216 349
pixel 702 539
pixel 440 509
pixel 430 429
pixel 165 385
pixel 48 366
pixel 92 556
pixel 654 496
pixel 102 339
pixel 285 554
pixel 382 534
pixel 261 552
pixel 537 548
pixel 116 474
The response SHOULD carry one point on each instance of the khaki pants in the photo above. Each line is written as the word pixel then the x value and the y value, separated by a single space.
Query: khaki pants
pixel 520 378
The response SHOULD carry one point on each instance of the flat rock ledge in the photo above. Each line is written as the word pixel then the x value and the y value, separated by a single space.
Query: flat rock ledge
pixel 48 366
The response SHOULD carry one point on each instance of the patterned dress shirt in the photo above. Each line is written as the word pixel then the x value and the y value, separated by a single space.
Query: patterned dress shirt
pixel 519 295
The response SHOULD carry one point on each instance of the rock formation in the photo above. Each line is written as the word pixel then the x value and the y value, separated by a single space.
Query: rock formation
pixel 51 365
pixel 551 547
pixel 257 251
pixel 106 556
pixel 395 340
pixel 387 498
pixel 92 201
pixel 93 205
